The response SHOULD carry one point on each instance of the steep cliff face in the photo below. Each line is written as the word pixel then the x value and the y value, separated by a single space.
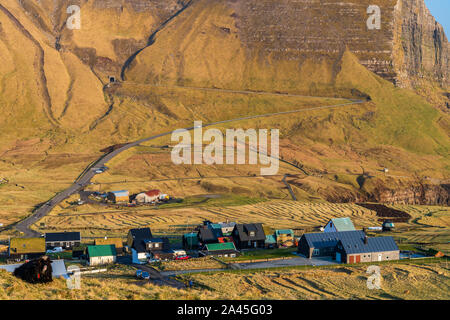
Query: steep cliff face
pixel 422 50
pixel 261 43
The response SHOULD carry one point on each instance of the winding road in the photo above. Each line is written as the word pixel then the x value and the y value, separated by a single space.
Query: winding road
pixel 85 178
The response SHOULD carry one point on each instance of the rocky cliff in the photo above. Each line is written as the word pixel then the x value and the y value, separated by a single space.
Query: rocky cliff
pixel 421 48
pixel 230 42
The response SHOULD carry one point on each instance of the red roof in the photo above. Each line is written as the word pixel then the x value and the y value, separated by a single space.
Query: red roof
pixel 153 193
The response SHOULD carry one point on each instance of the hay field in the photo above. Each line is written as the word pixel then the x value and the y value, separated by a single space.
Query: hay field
pixel 400 281
pixel 275 214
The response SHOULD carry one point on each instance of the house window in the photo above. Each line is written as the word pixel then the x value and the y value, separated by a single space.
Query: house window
pixel 316 252
pixel 156 245
pixel 252 233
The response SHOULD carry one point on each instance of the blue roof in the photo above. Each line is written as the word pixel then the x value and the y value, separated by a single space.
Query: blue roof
pixel 377 244
pixel 330 239
pixel 121 193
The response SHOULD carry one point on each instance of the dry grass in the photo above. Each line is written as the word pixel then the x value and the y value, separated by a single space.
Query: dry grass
pixel 276 214
pixel 191 264
pixel 400 281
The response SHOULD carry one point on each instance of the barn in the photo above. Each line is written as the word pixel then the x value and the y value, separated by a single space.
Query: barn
pixel 348 246
pixel 100 255
pixel 122 196
pixel 148 197
pixel 322 244
pixel 357 249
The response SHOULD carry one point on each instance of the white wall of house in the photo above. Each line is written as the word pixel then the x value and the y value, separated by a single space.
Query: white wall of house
pixel 97 261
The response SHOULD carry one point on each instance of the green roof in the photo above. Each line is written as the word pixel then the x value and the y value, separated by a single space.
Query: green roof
pixel 220 246
pixel 102 250
pixel 284 231
pixel 343 224
pixel 270 239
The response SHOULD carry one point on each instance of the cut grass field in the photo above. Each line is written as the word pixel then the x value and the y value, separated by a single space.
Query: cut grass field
pixel 276 214
pixel 399 281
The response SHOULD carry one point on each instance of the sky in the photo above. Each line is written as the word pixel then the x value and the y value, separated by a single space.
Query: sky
pixel 440 9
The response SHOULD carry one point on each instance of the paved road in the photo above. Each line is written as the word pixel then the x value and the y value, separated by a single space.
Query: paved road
pixel 85 178
pixel 159 279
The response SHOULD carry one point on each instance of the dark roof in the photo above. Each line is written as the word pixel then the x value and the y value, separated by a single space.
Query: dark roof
pixel 141 234
pixel 378 244
pixel 245 229
pixel 62 236
pixel 209 234
pixel 139 245
pixel 330 239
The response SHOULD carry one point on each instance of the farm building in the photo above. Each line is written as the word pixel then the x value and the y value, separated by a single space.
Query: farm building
pixel 339 224
pixel 122 196
pixel 190 241
pixel 249 235
pixel 355 249
pixel 285 238
pixel 226 227
pixel 102 254
pixel 117 242
pixel 66 240
pixel 324 243
pixel 226 249
pixel 148 197
pixel 157 244
pixel 26 248
pixel 348 246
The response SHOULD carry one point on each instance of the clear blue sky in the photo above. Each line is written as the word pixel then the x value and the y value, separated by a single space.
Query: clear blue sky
pixel 440 9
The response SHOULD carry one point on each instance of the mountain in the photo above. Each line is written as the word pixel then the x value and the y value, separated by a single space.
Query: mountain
pixel 259 44
pixel 56 96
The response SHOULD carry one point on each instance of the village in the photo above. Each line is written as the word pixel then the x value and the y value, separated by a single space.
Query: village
pixel 228 242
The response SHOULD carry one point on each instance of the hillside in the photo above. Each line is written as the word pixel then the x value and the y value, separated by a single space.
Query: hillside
pixel 179 61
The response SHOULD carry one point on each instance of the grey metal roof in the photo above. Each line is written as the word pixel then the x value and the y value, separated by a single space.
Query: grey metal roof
pixel 330 239
pixel 378 244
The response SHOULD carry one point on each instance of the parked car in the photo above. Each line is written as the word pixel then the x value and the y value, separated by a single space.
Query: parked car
pixel 145 275
pixel 55 250
pixel 182 257
pixel 138 274
pixel 153 260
